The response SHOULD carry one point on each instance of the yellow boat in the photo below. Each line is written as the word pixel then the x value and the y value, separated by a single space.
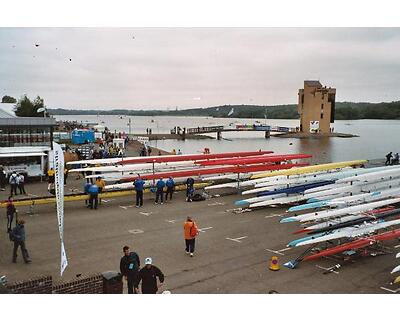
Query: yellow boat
pixel 81 197
pixel 309 169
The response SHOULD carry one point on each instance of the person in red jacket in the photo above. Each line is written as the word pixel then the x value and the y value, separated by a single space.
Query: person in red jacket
pixel 190 232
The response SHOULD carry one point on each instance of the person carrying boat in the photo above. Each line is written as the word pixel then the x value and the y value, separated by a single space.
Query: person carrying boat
pixel 388 158
pixel 160 191
pixel 170 188
pixel 190 232
pixel 189 189
pixel 139 186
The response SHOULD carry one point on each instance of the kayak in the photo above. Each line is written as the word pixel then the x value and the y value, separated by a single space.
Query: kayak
pixel 314 168
pixel 250 160
pixel 356 244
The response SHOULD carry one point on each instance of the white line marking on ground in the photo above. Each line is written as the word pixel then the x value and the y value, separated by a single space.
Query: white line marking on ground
pixel 107 200
pixel 135 231
pixel 327 269
pixel 216 204
pixel 171 221
pixel 126 207
pixel 275 251
pixel 146 213
pixel 398 246
pixel 390 290
pixel 237 239
pixel 273 215
pixel 203 229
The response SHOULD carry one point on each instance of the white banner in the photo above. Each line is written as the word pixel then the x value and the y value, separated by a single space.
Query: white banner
pixel 58 163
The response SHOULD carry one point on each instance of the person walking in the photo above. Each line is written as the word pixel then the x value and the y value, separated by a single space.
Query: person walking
pixel 189 189
pixel 151 277
pixel 13 183
pixel 3 179
pixel 50 175
pixel 190 232
pixel 139 186
pixel 160 191
pixel 388 158
pixel 21 183
pixel 11 211
pixel 170 188
pixel 18 237
pixel 129 266
pixel 93 196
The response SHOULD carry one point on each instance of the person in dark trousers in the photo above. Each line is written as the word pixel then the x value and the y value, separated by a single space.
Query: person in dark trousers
pixel 170 188
pixel 388 158
pixel 129 266
pixel 160 191
pixel 11 211
pixel 149 275
pixel 93 196
pixel 3 179
pixel 65 176
pixel 190 232
pixel 139 186
pixel 18 237
pixel 21 183
pixel 189 189
pixel 86 191
pixel 13 183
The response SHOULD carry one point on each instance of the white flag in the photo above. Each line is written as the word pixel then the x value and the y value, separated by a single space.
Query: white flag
pixel 58 164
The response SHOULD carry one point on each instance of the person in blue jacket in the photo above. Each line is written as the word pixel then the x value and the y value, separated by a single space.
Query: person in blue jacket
pixel 189 189
pixel 170 188
pixel 139 186
pixel 160 190
pixel 86 191
pixel 93 196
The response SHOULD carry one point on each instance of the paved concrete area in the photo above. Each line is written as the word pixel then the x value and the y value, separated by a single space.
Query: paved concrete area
pixel 231 251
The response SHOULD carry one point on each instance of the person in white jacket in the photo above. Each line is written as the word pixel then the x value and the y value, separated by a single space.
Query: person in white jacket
pixel 21 183
pixel 13 183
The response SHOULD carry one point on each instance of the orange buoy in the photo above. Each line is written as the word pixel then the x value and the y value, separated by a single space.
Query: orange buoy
pixel 274 264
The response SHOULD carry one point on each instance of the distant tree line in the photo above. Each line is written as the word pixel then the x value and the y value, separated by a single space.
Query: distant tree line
pixel 27 108
pixel 343 111
pixel 8 99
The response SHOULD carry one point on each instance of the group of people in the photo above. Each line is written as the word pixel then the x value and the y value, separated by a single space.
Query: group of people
pixel 93 190
pixel 150 276
pixel 163 190
pixel 392 159
pixel 16 181
pixel 146 151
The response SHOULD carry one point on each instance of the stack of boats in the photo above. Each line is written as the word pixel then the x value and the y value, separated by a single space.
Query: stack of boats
pixel 120 172
pixel 343 203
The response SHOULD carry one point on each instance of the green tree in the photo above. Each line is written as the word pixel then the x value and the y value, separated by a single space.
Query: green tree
pixel 26 108
pixel 8 99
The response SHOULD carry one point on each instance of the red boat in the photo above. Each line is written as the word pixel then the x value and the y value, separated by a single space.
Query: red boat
pixel 226 169
pixel 357 244
pixel 250 160
pixel 194 157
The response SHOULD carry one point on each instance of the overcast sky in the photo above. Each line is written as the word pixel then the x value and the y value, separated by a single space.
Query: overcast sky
pixel 196 67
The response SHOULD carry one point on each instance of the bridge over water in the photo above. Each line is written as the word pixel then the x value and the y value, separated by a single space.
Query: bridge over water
pixel 239 127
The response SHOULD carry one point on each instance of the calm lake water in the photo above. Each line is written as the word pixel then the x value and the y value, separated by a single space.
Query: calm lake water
pixel 376 137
